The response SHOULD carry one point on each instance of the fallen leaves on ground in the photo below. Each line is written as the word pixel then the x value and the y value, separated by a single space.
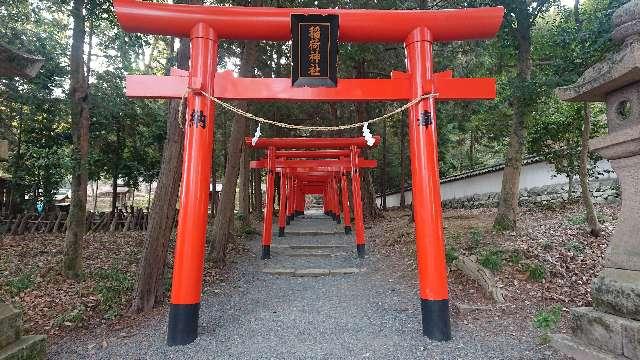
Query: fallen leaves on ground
pixel 550 259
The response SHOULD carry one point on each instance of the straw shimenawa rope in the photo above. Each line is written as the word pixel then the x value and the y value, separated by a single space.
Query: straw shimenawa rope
pixel 298 127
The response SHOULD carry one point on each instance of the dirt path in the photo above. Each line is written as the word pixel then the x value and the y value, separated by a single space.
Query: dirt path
pixel 362 309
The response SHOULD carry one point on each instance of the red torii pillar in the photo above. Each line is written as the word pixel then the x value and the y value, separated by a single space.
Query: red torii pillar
pixel 344 191
pixel 205 24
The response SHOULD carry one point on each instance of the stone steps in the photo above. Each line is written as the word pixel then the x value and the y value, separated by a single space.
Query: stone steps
pixel 576 349
pixel 26 348
pixel 14 346
pixel 311 272
pixel 10 325
pixel 310 246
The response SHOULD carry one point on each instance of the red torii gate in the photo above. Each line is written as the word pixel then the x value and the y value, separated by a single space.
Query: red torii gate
pixel 343 161
pixel 205 25
pixel 316 154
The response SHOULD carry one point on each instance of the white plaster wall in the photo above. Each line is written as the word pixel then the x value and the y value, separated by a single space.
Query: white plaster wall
pixel 532 175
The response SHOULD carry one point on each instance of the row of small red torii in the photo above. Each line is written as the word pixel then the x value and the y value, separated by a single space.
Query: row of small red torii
pixel 206 25
pixel 313 171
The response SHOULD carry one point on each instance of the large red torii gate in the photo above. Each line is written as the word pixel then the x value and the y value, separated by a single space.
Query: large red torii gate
pixel 206 25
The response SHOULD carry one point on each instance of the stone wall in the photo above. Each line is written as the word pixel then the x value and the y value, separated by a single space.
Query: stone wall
pixel 602 191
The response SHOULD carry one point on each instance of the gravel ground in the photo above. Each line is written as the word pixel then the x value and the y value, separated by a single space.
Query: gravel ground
pixel 373 314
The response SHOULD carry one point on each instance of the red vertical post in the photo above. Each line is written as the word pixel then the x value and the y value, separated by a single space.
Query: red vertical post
pixel 282 214
pixel 300 198
pixel 357 202
pixel 268 210
pixel 194 196
pixel 423 147
pixel 290 199
pixel 336 202
pixel 345 203
pixel 325 208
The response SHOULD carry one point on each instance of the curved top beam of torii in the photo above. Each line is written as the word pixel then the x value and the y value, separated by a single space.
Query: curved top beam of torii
pixel 274 24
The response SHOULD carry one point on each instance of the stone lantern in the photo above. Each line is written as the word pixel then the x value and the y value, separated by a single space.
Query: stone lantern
pixel 611 329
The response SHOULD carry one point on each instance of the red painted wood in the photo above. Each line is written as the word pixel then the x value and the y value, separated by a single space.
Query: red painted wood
pixel 274 24
pixel 233 88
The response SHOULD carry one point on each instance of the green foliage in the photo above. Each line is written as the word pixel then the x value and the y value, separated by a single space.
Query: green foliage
pixel 536 271
pixel 451 254
pixel 516 257
pixel 126 136
pixel 492 259
pixel 476 236
pixel 72 317
pixel 576 247
pixel 546 321
pixel 21 283
pixel 113 287
pixel 577 219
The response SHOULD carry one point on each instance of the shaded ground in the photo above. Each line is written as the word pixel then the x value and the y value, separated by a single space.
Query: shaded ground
pixel 372 314
pixel 548 262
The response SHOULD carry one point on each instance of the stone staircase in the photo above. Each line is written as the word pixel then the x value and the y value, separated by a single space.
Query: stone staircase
pixel 14 346
pixel 597 335
pixel 313 246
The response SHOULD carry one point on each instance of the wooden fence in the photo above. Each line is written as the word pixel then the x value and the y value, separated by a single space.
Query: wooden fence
pixel 31 223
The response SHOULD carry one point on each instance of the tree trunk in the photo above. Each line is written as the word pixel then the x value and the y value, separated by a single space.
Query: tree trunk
pixel 370 208
pixel 508 206
pixel 149 291
pixel 383 171
pixel 244 181
pixel 80 130
pixel 95 199
pixel 592 219
pixel 257 194
pixel 214 195
pixel 223 222
pixel 114 188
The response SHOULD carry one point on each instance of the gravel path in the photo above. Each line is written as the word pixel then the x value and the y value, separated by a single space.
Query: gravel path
pixel 371 314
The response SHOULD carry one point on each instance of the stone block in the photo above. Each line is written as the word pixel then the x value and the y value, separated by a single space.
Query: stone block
pixel 10 324
pixel 617 292
pixel 32 347
pixel 312 272
pixel 578 350
pixel 598 329
pixel 631 339
pixel 344 271
pixel 279 271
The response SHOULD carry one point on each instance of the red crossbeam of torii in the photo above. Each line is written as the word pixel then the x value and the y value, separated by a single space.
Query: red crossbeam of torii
pixel 207 25
pixel 327 166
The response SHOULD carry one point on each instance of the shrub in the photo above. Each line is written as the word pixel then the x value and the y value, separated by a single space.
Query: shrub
pixel 451 254
pixel 492 260
pixel 546 320
pixel 73 317
pixel 113 287
pixel 476 237
pixel 578 219
pixel 536 272
pixel 516 257
pixel 575 246
pixel 23 282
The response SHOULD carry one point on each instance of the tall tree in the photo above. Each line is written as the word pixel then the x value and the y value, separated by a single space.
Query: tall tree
pixel 224 221
pixel 80 130
pixel 149 290
pixel 521 17
pixel 592 220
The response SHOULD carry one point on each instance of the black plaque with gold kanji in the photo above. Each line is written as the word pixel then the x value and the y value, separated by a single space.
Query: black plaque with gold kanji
pixel 314 50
